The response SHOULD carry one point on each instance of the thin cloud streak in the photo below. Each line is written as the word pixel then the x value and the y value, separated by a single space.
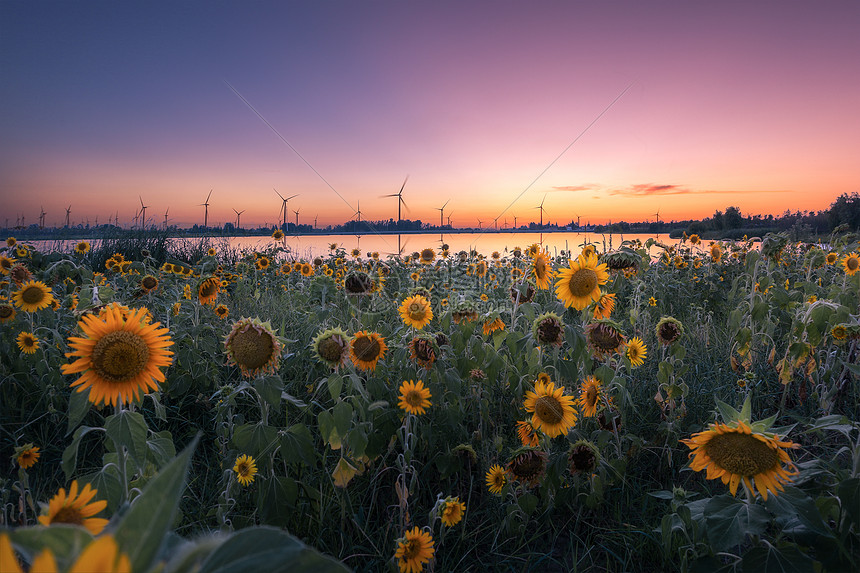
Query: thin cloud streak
pixel 650 189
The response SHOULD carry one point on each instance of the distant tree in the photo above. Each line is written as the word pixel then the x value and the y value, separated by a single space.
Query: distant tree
pixel 846 210
pixel 733 218
pixel 717 220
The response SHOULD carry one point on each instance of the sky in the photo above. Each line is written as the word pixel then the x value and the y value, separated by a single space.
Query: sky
pixel 601 110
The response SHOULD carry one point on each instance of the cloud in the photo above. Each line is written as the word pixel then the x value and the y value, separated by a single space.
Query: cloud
pixel 572 188
pixel 649 189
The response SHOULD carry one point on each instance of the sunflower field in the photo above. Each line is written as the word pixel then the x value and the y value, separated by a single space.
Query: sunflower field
pixel 653 407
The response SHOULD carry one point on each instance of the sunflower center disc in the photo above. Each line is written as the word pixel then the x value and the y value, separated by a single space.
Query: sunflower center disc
pixel 68 515
pixel 5 311
pixel 416 311
pixel 366 349
pixel 207 289
pixel 412 549
pixel 549 410
pixel 853 264
pixel 119 356
pixel 331 348
pixel 742 454
pixel 244 469
pixel 150 283
pixel 252 349
pixel 591 396
pixel 414 398
pixel 32 295
pixel 583 282
pixel 605 338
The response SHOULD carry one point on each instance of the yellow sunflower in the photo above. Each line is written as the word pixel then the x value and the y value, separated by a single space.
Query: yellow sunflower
pixel 542 271
pixel 452 511
pixel 832 258
pixel 7 312
pixel 416 311
pixel 851 263
pixel 490 326
pixel 427 256
pixel 211 252
pixel 33 296
pixel 207 290
pixel 579 285
pixel 605 305
pixel 11 242
pixel 27 456
pixel 496 479
pixel 307 270
pixel 652 301
pixel 736 452
pixel 532 250
pixel 27 342
pixel 82 247
pixel 221 311
pixel 76 509
pixel 366 349
pixel 552 411
pixel 245 469
pixel 839 332
pixel 148 283
pixel 6 264
pixel 636 351
pixel 414 397
pixel 253 346
pixel 527 434
pixel 120 356
pixel 716 253
pixel 414 549
pixel 590 396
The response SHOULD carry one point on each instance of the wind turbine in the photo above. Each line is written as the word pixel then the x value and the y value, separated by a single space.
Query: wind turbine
pixel 238 214
pixel 496 223
pixel 68 210
pixel 358 212
pixel 515 221
pixel 297 218
pixel 480 223
pixel 284 206
pixel 42 217
pixel 143 212
pixel 399 196
pixel 165 216
pixel 541 210
pixel 449 218
pixel 315 221
pixel 442 212
pixel 657 214
pixel 206 214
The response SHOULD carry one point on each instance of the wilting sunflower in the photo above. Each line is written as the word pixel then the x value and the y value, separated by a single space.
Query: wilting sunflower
pixel 669 330
pixel 490 326
pixel 253 346
pixel 357 283
pixel 82 247
pixel 331 347
pixel 528 465
pixel 579 285
pixel 604 338
pixel 33 296
pixel 27 456
pixel 526 432
pixel 76 509
pixel 605 305
pixel 27 342
pixel 548 329
pixel 735 452
pixel 7 312
pixel 590 396
pixel 245 469
pixel 851 263
pixel 414 397
pixel 416 312
pixel 120 357
pixel 221 311
pixel 422 350
pixel 542 271
pixel 427 256
pixel 366 349
pixel 451 511
pixel 496 479
pixel 414 549
pixel 207 290
pixel 148 283
pixel 583 457
pixel 636 351
pixel 552 411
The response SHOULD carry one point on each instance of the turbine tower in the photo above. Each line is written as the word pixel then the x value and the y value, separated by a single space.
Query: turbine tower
pixel 238 214
pixel 442 213
pixel 68 211
pixel 399 196
pixel 42 217
pixel 143 212
pixel 284 207
pixel 541 211
pixel 166 211
pixel 206 213
pixel 297 218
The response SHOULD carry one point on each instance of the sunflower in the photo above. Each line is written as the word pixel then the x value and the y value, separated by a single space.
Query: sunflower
pixel 262 263
pixel 851 263
pixel 207 290
pixel 528 466
pixel 27 342
pixel 366 349
pixel 221 311
pixel 579 285
pixel 356 253
pixel 76 509
pixel 277 234
pixel 481 269
pixel 735 452
pixel 532 250
pixel 33 296
pixel 82 247
pixel 544 378
pixel 27 456
pixel 20 274
pixel 416 311
pixel 527 434
pixel 253 346
pixel 490 326
pixel 605 305
pixel 452 511
pixel 120 356
pixel 669 330
pixel 307 270
pixel 357 283
pixel 839 332
pixel 331 347
pixel 101 555
pixel 832 258
pixel 552 411
pixel 11 242
pixel 245 469
pixel 414 397
pixel 286 269
pixel 652 301
pixel 6 264
pixel 695 239
pixel 422 351
pixel 427 256
pixel 604 338
pixel 636 351
pixel 414 549
pixel 590 396
pixel 496 479
pixel 583 457
pixel 716 253
pixel 7 312
pixel 148 283
pixel 588 250
pixel 542 271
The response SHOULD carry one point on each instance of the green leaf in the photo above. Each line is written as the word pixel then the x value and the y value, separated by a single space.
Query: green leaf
pixel 161 448
pixel 729 520
pixel 335 386
pixel 79 405
pixel 849 498
pixel 64 541
pixel 528 503
pixel 342 417
pixel 70 454
pixel 142 529
pixel 128 429
pixel 254 439
pixel 277 500
pixel 727 413
pixel 297 441
pixel 265 549
pixel 769 559
pixel 108 482
pixel 269 388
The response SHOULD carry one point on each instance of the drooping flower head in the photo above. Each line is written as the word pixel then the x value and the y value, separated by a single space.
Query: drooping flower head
pixel 331 347
pixel 7 312
pixel 491 325
pixel 76 509
pixel 527 434
pixel 548 329
pixel 357 283
pixel 253 346
pixel 422 349
pixel 120 356
pixel 528 466
pixel 522 293
pixel 579 285
pixel 604 306
pixel 591 396
pixel 604 338
pixel 669 330
pixel 414 549
pixel 583 457
pixel 207 290
pixel 416 312
pixel 27 455
pixel 552 411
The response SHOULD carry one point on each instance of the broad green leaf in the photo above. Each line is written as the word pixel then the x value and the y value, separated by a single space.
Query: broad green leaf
pixel 528 503
pixel 297 444
pixel 727 413
pixel 70 454
pixel 277 499
pixel 161 448
pixel 849 497
pixel 254 439
pixel 129 429
pixel 142 529
pixel 342 417
pixel 108 482
pixel 335 386
pixel 64 541
pixel 79 405
pixel 729 520
pixel 769 559
pixel 796 512
pixel 269 388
